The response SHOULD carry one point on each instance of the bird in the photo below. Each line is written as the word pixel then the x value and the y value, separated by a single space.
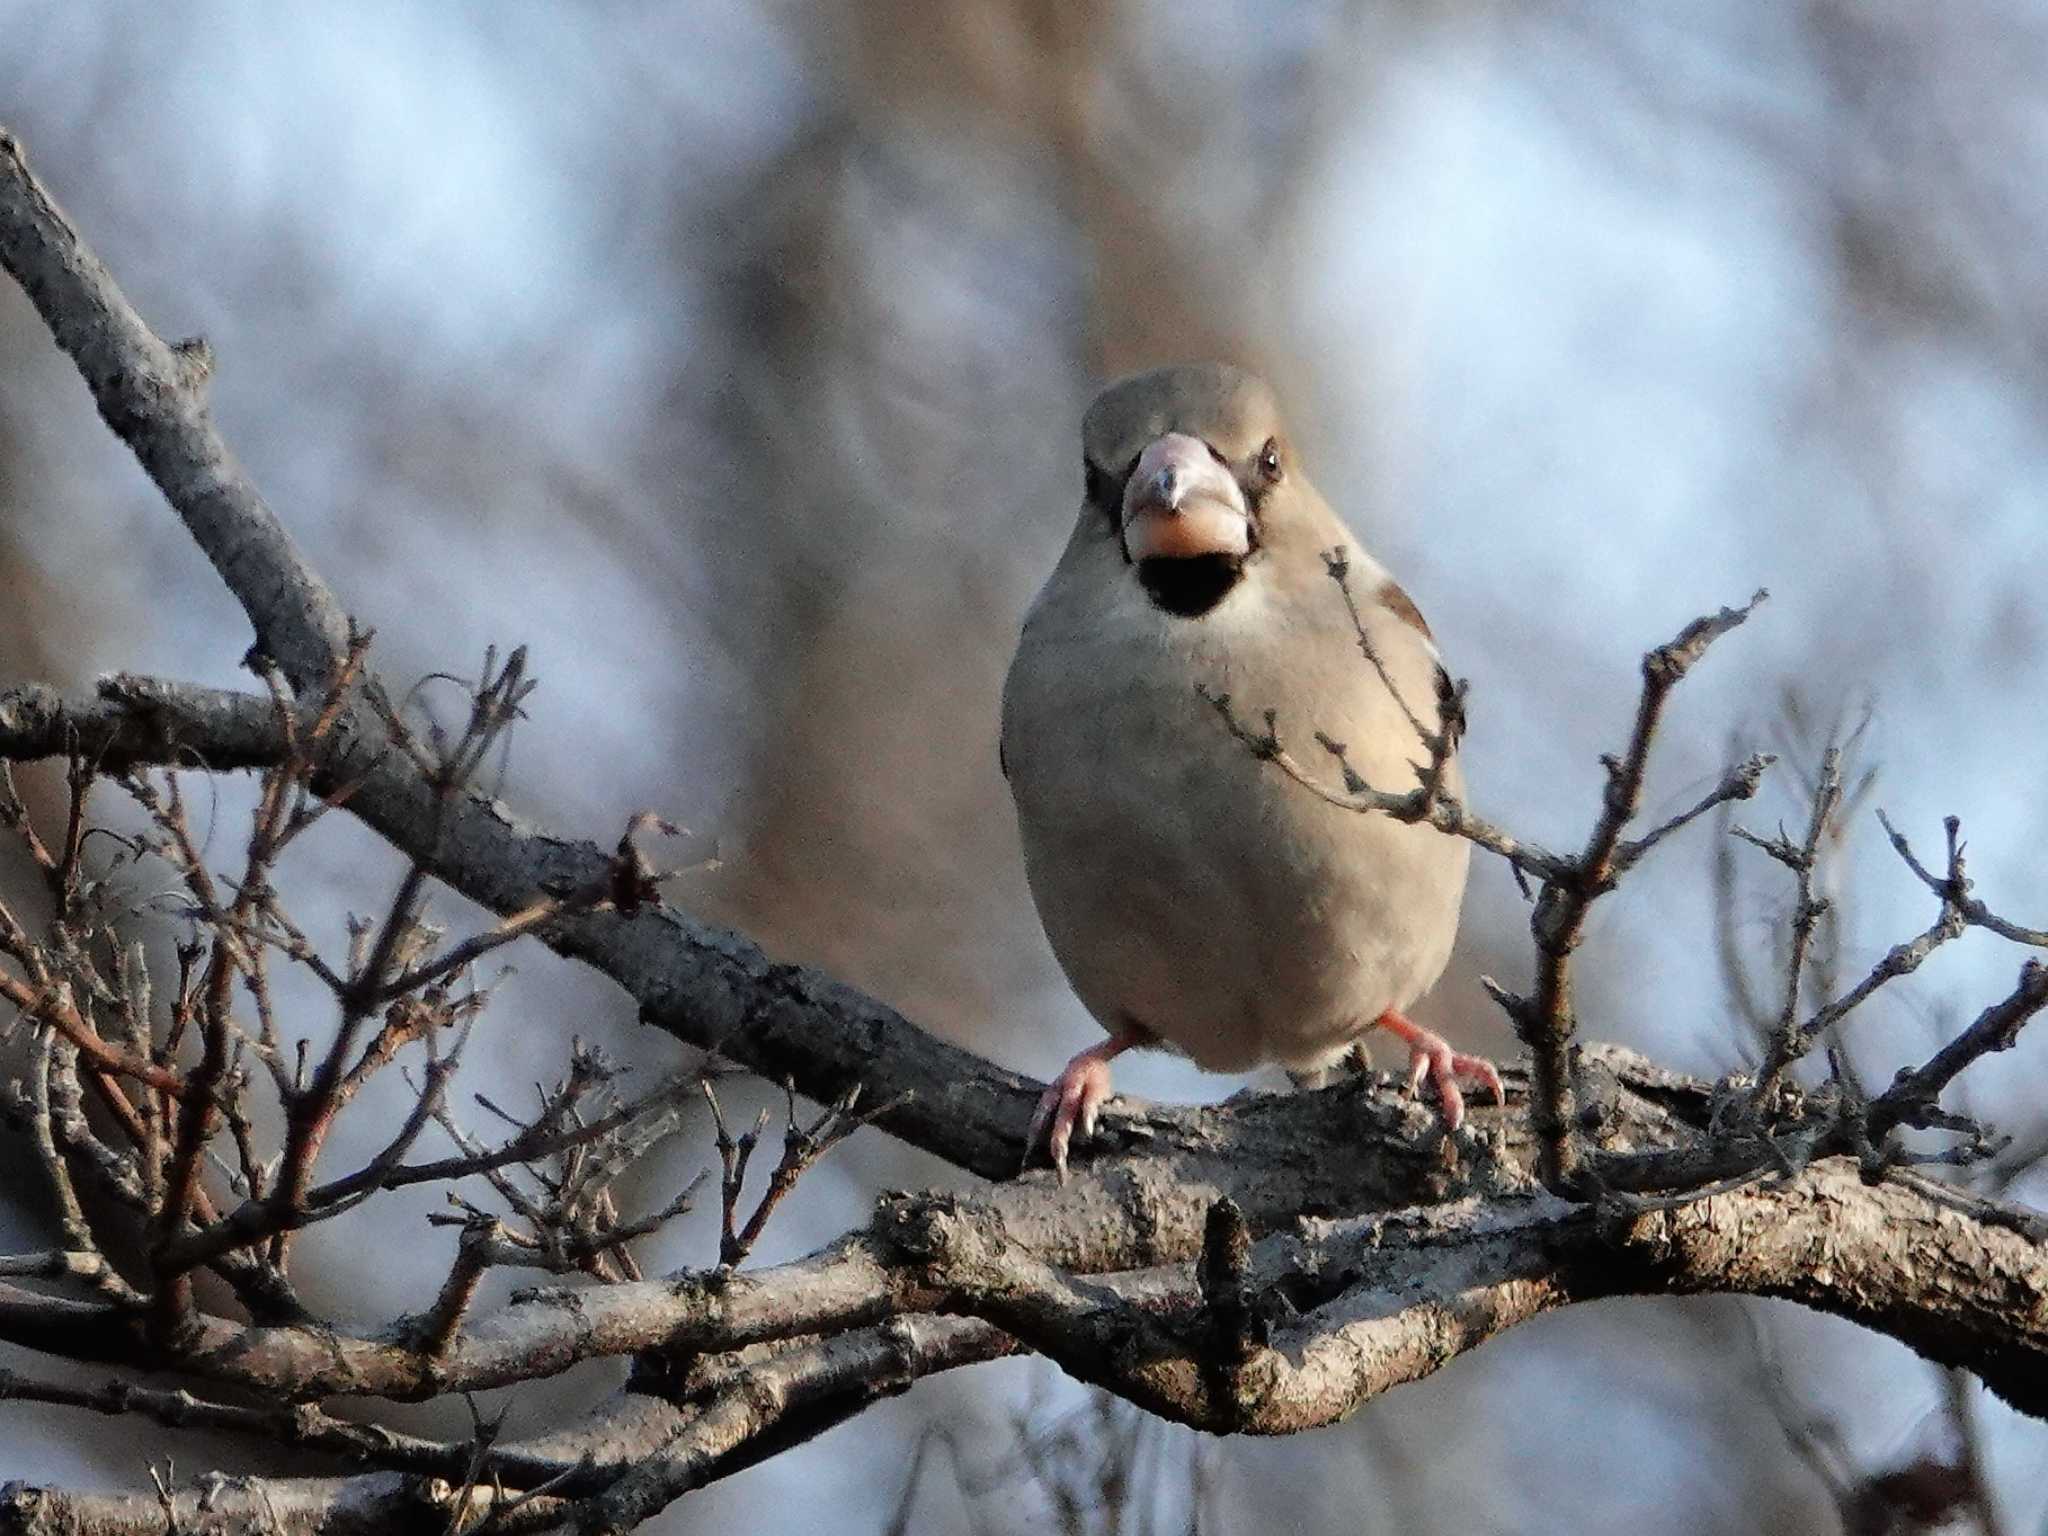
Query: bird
pixel 1197 899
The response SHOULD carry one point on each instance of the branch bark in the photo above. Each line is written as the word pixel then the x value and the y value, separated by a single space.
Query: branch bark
pixel 152 394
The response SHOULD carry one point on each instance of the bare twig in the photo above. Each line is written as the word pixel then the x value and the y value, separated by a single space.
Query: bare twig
pixel 802 1146
pixel 1442 811
pixel 1807 908
pixel 1545 1021
pixel 1912 1098
pixel 1954 886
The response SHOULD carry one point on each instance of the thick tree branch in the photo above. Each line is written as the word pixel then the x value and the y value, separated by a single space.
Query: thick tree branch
pixel 1375 1300
pixel 807 1389
pixel 1379 1301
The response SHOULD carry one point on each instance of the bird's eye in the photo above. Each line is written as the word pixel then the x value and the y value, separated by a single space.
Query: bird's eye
pixel 1269 461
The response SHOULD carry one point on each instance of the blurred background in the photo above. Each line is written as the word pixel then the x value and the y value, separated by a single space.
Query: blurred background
pixel 731 357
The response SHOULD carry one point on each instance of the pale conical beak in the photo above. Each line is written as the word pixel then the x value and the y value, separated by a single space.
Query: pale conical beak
pixel 1181 503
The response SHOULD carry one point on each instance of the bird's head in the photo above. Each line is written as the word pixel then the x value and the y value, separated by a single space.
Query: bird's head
pixel 1186 467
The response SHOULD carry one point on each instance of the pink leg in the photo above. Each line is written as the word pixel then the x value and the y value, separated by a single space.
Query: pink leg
pixel 1431 1056
pixel 1073 1098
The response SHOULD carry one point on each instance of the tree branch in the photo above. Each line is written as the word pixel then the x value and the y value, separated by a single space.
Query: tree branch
pixel 153 396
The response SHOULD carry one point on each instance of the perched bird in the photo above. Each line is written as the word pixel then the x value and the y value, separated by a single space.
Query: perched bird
pixel 1196 898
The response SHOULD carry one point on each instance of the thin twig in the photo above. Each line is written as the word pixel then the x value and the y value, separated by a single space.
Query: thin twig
pixel 1783 1046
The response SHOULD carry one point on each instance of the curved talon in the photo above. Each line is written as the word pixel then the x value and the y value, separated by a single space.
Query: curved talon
pixel 1431 1056
pixel 1072 1099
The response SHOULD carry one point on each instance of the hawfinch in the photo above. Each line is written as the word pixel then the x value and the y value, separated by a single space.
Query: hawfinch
pixel 1197 899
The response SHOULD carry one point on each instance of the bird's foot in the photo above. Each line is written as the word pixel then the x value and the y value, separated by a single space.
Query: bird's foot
pixel 1072 1099
pixel 1431 1056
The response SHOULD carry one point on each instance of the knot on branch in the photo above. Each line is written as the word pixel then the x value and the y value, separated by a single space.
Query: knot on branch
pixel 1669 662
pixel 1235 1330
pixel 1229 1336
pixel 195 362
pixel 939 1231
pixel 633 879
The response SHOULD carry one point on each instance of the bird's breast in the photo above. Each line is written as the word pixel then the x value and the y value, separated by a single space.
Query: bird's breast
pixel 1192 889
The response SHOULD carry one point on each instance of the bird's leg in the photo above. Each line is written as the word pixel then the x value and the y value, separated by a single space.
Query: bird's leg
pixel 1431 1056
pixel 1074 1096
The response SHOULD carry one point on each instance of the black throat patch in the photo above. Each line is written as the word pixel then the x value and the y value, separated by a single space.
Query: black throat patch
pixel 1191 585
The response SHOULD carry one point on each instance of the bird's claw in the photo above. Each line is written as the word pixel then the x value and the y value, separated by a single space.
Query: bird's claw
pixel 1070 1101
pixel 1430 1056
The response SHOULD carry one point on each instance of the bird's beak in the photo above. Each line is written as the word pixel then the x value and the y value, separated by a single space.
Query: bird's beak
pixel 1180 502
